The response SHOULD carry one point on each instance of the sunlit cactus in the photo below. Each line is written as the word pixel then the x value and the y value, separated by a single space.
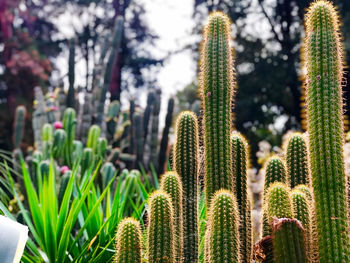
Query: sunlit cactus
pixel 275 171
pixel 288 241
pixel 296 160
pixel 171 184
pixel 239 170
pixel 277 203
pixel 18 126
pixel 128 242
pixel 161 234
pixel 323 58
pixel 186 165
pixel 223 222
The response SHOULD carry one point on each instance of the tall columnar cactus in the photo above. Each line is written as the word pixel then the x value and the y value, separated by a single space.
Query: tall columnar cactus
pixel 277 203
pixel 239 170
pixel 161 228
pixel 128 242
pixel 47 137
pixel 275 171
pixel 71 75
pixel 297 160
pixel 137 132
pixel 324 64
pixel 107 172
pixel 18 126
pixel 94 134
pixel 288 241
pixel 165 136
pixel 302 212
pixel 217 84
pixel 86 160
pixel 223 229
pixel 171 184
pixel 69 123
pixel 112 118
pixel 59 141
pixel 153 139
pixel 186 165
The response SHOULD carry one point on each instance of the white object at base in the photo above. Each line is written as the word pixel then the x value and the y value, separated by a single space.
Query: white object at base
pixel 13 238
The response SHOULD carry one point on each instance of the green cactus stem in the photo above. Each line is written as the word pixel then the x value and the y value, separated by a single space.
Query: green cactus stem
pixel 324 65
pixel 69 123
pixel 171 184
pixel 217 87
pixel 59 141
pixel 71 75
pixel 186 165
pixel 112 118
pixel 86 160
pixel 165 136
pixel 128 242
pixel 94 134
pixel 138 137
pixel 288 241
pixel 297 160
pixel 18 126
pixel 161 228
pixel 239 169
pixel 275 171
pixel 101 148
pixel 107 172
pixel 223 229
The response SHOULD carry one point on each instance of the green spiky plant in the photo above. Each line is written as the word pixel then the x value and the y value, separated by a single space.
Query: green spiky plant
pixel 323 59
pixel 186 165
pixel 223 235
pixel 18 127
pixel 161 228
pixel 59 141
pixel 171 184
pixel 93 135
pixel 239 170
pixel 128 242
pixel 217 88
pixel 69 123
pixel 302 212
pixel 275 171
pixel 297 160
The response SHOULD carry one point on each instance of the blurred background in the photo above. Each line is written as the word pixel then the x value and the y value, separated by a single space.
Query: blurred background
pixel 159 50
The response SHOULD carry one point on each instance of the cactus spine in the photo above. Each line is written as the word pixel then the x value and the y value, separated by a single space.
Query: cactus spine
pixel 18 126
pixel 239 170
pixel 128 242
pixel 296 160
pixel 171 184
pixel 324 64
pixel 223 229
pixel 186 165
pixel 160 228
pixel 275 171
pixel 217 81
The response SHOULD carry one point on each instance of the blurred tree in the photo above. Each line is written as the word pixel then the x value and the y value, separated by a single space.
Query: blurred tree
pixel 267 63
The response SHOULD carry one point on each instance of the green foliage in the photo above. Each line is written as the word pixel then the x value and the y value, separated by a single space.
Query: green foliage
pixel 217 84
pixel 128 242
pixel 186 165
pixel 19 125
pixel 239 169
pixel 223 222
pixel 161 227
pixel 324 63
pixel 297 160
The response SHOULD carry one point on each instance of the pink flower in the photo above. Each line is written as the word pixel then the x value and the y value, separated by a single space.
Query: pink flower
pixel 54 108
pixel 58 125
pixel 64 169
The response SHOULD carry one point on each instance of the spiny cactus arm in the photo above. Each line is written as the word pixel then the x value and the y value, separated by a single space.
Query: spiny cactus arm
pixel 223 229
pixel 161 227
pixel 275 171
pixel 239 148
pixel 323 59
pixel 288 241
pixel 128 242
pixel 186 165
pixel 297 160
pixel 18 126
pixel 217 84
pixel 171 184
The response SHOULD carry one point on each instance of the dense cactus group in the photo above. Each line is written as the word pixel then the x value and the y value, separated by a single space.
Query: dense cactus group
pixel 305 207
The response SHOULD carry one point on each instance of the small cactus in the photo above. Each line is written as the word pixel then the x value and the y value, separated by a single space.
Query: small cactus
pixel 275 171
pixel 18 126
pixel 324 61
pixel 86 160
pixel 107 172
pixel 223 229
pixel 128 242
pixel 94 134
pixel 171 184
pixel 296 160
pixel 69 123
pixel 217 87
pixel 161 228
pixel 239 170
pixel 59 141
pixel 186 165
